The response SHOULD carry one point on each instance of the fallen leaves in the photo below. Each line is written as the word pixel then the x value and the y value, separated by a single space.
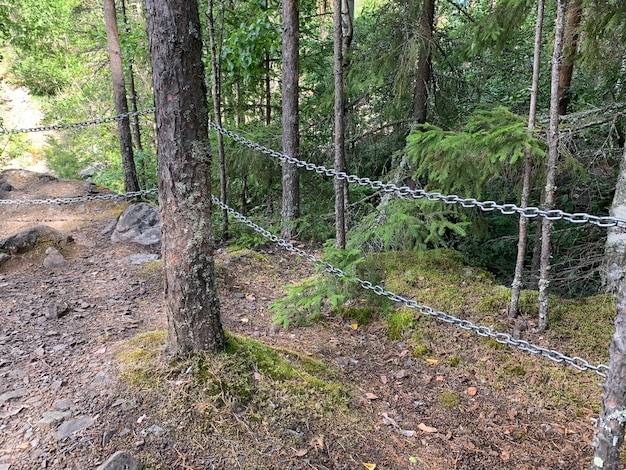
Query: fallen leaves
pixel 371 396
pixel 471 391
pixel 369 466
pixel 426 428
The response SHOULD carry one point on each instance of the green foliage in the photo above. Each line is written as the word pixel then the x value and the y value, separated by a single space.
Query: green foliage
pixel 325 293
pixel 405 225
pixel 468 161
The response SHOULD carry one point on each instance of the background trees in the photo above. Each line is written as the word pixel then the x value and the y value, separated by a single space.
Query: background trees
pixel 478 62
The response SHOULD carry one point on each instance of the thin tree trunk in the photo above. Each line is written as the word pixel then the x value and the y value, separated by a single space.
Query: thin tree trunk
pixel 422 78
pixel 290 89
pixel 340 221
pixel 533 283
pixel 609 434
pixel 570 46
pixel 553 154
pixel 523 221
pixel 119 90
pixel 136 129
pixel 184 161
pixel 216 91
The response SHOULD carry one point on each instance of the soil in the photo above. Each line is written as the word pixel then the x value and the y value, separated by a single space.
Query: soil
pixel 68 366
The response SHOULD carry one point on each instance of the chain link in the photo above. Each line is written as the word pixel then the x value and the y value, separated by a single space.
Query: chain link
pixel 71 200
pixel 485 331
pixel 406 192
pixel 76 125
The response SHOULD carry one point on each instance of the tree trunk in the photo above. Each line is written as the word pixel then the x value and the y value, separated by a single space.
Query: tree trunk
pixel 119 90
pixel 615 247
pixel 290 89
pixel 422 78
pixel 570 46
pixel 609 435
pixel 136 129
pixel 340 158
pixel 553 154
pixel 184 157
pixel 523 221
pixel 217 111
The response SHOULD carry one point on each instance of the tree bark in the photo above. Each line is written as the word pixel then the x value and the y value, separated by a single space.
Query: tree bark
pixel 609 434
pixel 614 270
pixel 553 155
pixel 290 120
pixel 119 91
pixel 516 287
pixel 570 46
pixel 184 157
pixel 216 91
pixel 422 78
pixel 340 157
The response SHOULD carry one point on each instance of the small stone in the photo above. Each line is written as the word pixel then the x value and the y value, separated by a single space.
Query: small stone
pixel 70 427
pixel 156 430
pixel 52 418
pixel 62 405
pixel 4 258
pixel 402 374
pixel 54 259
pixel 56 310
pixel 121 461
pixel 106 437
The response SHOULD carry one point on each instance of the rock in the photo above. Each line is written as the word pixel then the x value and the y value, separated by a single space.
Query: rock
pixel 4 258
pixel 141 224
pixel 70 427
pixel 156 430
pixel 6 186
pixel 62 405
pixel 54 259
pixel 52 418
pixel 139 258
pixel 56 310
pixel 26 240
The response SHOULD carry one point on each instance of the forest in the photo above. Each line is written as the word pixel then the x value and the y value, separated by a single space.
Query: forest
pixel 460 129
pixel 519 103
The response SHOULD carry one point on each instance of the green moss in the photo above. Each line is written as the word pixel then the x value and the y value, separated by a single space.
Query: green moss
pixel 449 399
pixel 400 321
pixel 453 361
pixel 361 315
pixel 140 358
pixel 421 350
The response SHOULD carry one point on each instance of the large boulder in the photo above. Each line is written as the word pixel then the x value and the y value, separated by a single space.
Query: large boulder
pixel 141 224
pixel 27 240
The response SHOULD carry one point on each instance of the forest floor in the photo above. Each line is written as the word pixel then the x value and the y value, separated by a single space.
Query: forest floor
pixel 332 395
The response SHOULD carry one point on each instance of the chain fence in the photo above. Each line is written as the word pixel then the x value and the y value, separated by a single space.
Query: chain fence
pixel 408 193
pixel 504 338
pixel 75 125
pixel 77 199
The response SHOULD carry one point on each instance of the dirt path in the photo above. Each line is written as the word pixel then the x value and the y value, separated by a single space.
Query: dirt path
pixel 62 405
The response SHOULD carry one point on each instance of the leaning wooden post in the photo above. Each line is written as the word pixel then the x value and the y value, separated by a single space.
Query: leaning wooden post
pixel 609 434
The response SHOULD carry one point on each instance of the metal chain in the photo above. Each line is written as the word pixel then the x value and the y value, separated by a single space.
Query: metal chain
pixel 76 125
pixel 406 192
pixel 504 338
pixel 70 200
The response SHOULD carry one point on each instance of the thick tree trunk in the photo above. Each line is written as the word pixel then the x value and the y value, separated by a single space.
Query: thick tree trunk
pixel 422 78
pixel 217 111
pixel 553 155
pixel 570 46
pixel 609 435
pixel 615 248
pixel 340 158
pixel 516 287
pixel 119 90
pixel 191 300
pixel 290 88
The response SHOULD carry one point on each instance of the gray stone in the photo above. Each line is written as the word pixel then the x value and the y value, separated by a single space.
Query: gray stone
pixel 56 310
pixel 140 258
pixel 156 430
pixel 4 258
pixel 5 466
pixel 52 418
pixel 70 427
pixel 141 224
pixel 62 405
pixel 53 259
pixel 26 240
pixel 6 186
pixel 121 461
